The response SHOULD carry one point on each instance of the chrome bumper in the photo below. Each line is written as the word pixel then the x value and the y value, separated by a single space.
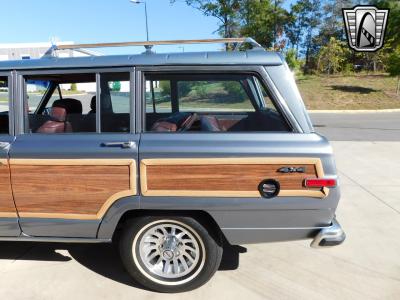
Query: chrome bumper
pixel 329 236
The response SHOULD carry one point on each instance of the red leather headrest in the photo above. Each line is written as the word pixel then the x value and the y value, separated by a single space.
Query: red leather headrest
pixel 58 114
pixel 164 126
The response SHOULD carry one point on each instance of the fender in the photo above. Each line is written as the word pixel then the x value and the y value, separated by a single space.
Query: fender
pixel 115 212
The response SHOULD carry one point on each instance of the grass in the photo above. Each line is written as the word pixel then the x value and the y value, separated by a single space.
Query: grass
pixel 374 91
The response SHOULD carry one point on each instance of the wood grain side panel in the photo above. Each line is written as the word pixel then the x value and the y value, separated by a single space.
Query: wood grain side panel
pixel 223 177
pixel 67 189
pixel 7 208
pixel 227 177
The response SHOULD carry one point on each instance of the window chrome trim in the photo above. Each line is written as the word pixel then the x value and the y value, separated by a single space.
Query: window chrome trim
pixel 263 76
pixel 10 96
pixel 98 103
pixel 21 93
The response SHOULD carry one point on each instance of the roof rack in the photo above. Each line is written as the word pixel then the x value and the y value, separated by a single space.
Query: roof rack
pixel 51 52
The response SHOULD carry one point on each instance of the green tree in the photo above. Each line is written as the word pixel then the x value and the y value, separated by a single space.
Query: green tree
pixel 226 11
pixel 332 58
pixel 263 20
pixel 332 24
pixel 394 66
pixel 116 86
pixel 73 87
pixel 291 60
pixel 302 26
pixel 165 88
pixel 392 31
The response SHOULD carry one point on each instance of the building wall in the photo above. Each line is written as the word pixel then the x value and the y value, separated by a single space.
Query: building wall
pixel 33 51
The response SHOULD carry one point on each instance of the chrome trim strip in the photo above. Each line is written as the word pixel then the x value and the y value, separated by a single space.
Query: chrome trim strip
pixel 27 238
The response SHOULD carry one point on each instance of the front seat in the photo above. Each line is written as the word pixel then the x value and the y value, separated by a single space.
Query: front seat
pixel 93 105
pixel 57 122
pixel 210 123
pixel 72 106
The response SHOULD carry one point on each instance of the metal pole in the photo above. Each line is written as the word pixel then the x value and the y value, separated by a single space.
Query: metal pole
pixel 147 24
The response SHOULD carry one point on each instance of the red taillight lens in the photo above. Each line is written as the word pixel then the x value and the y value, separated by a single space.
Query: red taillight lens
pixel 320 183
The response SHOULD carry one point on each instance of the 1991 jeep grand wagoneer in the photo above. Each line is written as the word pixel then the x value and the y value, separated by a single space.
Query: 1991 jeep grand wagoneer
pixel 176 154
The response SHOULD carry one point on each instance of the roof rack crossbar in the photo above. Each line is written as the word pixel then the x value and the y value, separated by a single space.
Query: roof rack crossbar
pixel 149 44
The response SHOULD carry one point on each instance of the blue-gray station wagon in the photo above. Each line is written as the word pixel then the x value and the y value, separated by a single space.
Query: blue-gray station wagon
pixel 171 156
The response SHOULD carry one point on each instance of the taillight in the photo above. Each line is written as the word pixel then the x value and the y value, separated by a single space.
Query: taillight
pixel 319 182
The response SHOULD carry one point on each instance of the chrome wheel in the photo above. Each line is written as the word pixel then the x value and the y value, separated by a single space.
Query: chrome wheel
pixel 169 251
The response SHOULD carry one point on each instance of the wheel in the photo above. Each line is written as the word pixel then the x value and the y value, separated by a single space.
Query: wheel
pixel 169 254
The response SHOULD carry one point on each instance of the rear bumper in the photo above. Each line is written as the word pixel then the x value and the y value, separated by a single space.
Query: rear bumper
pixel 332 235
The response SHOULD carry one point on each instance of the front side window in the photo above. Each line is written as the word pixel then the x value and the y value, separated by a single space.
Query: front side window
pixel 60 103
pixel 210 103
pixel 4 106
pixel 67 103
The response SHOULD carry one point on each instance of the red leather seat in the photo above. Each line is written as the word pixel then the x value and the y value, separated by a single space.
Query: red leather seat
pixel 57 122
pixel 164 126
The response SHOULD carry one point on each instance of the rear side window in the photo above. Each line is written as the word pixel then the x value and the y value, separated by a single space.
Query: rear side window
pixel 4 106
pixel 158 96
pixel 218 95
pixel 210 103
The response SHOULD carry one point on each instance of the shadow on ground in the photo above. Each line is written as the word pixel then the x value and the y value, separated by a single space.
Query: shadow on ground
pixel 353 89
pixel 102 259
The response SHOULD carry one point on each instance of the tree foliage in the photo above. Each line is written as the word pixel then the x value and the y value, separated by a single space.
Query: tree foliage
pixel 291 59
pixel 264 21
pixel 332 58
pixel 394 66
pixel 224 10
pixel 310 30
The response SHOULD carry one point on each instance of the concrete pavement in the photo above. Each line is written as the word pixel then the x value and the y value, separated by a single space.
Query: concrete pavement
pixel 366 266
pixel 374 126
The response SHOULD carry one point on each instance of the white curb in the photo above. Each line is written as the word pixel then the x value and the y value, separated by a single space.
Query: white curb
pixel 354 111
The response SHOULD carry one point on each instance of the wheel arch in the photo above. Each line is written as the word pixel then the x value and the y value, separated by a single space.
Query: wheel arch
pixel 128 208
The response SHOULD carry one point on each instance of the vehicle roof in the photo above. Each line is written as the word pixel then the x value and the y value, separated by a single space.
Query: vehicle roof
pixel 250 57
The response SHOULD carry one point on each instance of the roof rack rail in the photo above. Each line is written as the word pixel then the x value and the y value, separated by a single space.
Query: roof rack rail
pixel 149 44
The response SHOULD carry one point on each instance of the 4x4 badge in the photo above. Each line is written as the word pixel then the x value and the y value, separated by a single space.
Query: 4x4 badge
pixel 365 27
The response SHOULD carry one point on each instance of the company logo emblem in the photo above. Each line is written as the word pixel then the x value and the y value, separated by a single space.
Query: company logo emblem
pixel 365 27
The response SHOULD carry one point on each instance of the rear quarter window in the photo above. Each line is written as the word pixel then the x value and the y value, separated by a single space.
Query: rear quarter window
pixel 210 103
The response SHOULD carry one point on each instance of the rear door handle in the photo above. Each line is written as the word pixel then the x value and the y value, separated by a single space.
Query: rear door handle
pixel 125 145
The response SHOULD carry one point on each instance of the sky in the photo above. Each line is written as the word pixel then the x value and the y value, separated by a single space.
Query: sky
pixel 91 21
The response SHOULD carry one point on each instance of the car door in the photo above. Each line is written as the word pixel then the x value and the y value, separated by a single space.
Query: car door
pixel 72 165
pixel 8 215
pixel 232 161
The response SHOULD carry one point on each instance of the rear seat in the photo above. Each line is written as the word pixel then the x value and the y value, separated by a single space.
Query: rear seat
pixel 172 123
pixel 164 126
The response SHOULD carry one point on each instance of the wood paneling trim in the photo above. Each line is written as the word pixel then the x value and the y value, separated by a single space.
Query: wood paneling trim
pixel 7 207
pixel 83 162
pixel 230 161
pixel 8 215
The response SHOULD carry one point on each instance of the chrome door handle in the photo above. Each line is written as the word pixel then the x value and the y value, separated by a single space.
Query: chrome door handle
pixel 125 145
